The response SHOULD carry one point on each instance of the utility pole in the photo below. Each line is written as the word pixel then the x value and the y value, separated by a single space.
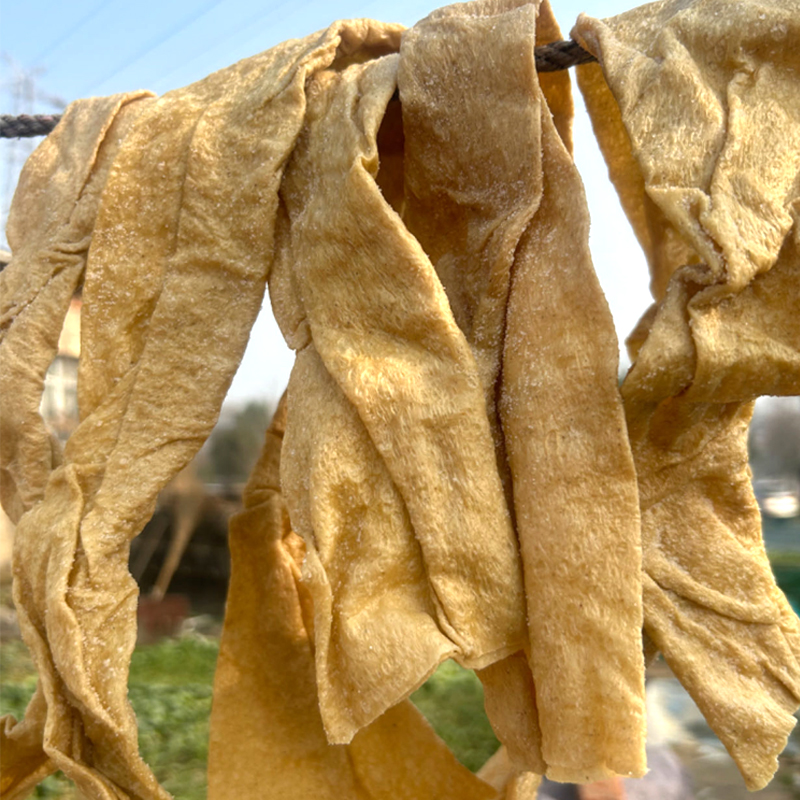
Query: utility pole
pixel 25 95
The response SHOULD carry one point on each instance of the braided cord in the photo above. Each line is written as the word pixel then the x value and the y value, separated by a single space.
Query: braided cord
pixel 25 126
pixel 561 55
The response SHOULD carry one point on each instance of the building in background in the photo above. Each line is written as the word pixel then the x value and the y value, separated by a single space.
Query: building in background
pixel 59 406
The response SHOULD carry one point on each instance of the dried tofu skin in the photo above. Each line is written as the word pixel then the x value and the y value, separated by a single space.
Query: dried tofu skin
pixel 720 161
pixel 696 110
pixel 469 194
pixel 389 464
pixel 574 492
pixel 711 603
pixel 171 289
pixel 49 228
pixel 500 255
pixel 499 771
pixel 266 728
pixel 721 348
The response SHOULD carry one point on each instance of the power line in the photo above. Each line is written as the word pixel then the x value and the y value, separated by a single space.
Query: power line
pixel 151 45
pixel 72 31
pixel 249 22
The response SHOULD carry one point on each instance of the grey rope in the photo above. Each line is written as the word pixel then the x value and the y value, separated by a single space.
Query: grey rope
pixel 24 126
pixel 549 58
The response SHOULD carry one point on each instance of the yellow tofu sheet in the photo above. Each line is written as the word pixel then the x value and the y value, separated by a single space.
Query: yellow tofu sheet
pixel 696 108
pixel 442 389
pixel 266 728
pixel 465 477
pixel 164 210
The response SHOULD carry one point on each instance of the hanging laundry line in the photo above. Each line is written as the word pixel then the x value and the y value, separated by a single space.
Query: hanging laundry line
pixel 551 57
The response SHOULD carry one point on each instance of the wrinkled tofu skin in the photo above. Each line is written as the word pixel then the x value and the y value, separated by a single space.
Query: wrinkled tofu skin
pixel 400 325
pixel 266 728
pixel 389 459
pixel 709 180
pixel 171 288
pixel 517 272
pixel 462 477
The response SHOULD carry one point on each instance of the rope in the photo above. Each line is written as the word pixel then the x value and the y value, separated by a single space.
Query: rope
pixel 549 58
pixel 16 127
pixel 561 55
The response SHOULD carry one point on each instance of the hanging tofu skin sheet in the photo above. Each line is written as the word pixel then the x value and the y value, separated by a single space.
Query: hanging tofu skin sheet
pixel 49 228
pixel 495 200
pixel 574 493
pixel 696 108
pixel 171 289
pixel 389 464
pixel 266 728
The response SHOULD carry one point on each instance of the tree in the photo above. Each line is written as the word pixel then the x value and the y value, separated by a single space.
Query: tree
pixel 233 446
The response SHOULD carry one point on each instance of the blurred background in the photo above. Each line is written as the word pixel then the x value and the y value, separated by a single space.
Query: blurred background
pixel 52 53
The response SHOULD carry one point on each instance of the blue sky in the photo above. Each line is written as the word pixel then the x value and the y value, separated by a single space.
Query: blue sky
pixel 57 50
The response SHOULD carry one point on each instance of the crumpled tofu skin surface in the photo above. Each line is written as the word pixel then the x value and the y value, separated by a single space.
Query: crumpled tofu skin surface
pixel 172 283
pixel 462 477
pixel 389 463
pixel 696 109
pixel 265 712
pixel 402 469
pixel 400 242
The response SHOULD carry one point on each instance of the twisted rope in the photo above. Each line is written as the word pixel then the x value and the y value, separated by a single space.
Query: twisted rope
pixel 24 125
pixel 549 58
pixel 561 55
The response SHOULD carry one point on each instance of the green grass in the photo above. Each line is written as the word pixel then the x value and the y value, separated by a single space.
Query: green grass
pixel 15 663
pixel 170 690
pixel 173 734
pixel 452 701
pixel 789 560
pixel 175 662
